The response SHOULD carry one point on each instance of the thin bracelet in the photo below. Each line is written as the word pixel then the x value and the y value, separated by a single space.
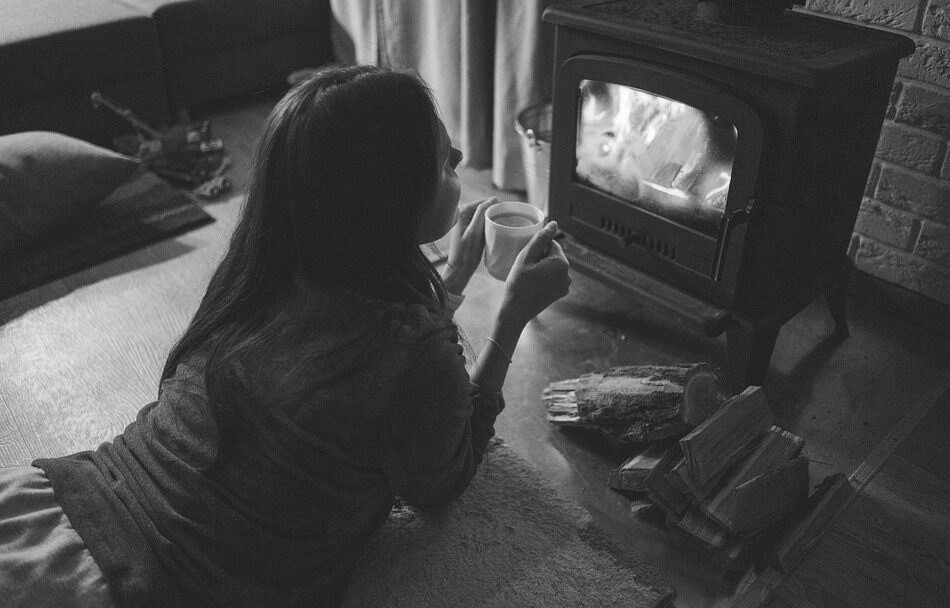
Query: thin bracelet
pixel 498 346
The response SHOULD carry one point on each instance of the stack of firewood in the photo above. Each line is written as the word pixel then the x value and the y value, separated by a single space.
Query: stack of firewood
pixel 715 466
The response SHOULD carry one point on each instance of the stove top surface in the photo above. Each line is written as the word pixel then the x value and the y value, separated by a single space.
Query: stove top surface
pixel 799 40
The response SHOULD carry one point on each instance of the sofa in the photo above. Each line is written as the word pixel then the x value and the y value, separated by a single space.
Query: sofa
pixel 160 58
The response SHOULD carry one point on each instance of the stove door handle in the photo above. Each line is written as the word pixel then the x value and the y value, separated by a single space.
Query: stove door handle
pixel 736 218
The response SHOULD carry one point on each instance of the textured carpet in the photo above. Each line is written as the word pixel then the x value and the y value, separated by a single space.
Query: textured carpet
pixel 510 541
pixel 80 355
pixel 143 210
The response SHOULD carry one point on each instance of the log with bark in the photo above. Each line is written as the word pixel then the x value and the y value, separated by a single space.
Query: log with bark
pixel 637 403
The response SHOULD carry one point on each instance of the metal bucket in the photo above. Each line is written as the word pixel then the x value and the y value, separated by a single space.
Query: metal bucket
pixel 534 126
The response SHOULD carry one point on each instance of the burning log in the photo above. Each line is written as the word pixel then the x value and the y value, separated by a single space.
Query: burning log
pixel 640 403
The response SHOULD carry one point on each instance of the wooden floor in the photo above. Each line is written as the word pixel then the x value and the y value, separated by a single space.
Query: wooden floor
pixel 874 407
pixel 889 545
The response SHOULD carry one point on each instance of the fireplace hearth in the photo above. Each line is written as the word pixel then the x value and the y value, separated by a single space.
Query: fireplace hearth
pixel 715 169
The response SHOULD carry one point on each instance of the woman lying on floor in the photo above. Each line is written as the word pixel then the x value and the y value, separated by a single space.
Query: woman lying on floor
pixel 320 377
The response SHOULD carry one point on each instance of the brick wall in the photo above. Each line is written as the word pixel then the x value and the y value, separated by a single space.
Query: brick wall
pixel 902 234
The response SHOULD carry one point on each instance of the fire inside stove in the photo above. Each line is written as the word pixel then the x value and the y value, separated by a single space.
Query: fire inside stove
pixel 659 154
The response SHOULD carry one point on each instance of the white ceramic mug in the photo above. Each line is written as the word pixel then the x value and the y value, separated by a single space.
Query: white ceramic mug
pixel 509 225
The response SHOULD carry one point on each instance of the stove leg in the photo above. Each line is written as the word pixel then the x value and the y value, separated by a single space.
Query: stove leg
pixel 836 296
pixel 750 345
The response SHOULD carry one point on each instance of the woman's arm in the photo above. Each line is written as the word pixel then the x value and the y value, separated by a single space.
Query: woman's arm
pixel 439 426
pixel 538 278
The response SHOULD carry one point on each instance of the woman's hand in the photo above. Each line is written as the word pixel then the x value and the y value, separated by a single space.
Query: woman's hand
pixel 538 278
pixel 467 242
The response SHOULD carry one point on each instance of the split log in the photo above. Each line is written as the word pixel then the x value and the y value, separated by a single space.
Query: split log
pixel 681 478
pixel 768 498
pixel 639 403
pixel 726 436
pixel 659 489
pixel 773 451
pixel 632 474
pixel 699 526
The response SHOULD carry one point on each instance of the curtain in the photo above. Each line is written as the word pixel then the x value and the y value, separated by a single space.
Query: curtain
pixel 485 61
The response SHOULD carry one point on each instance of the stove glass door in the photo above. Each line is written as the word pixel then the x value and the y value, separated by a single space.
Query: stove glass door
pixel 656 153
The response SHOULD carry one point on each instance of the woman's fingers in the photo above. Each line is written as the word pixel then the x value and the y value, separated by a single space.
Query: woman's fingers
pixel 556 254
pixel 472 211
pixel 538 246
pixel 477 222
pixel 555 265
pixel 466 212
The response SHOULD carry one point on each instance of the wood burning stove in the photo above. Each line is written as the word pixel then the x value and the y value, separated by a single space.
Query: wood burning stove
pixel 716 168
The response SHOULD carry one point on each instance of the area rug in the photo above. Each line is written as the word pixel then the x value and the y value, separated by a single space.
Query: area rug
pixel 510 541
pixel 141 211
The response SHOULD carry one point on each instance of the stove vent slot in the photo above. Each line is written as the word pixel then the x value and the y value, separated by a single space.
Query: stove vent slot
pixel 660 247
pixel 628 237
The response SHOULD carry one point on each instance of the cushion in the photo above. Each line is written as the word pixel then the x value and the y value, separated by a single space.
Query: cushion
pixel 47 179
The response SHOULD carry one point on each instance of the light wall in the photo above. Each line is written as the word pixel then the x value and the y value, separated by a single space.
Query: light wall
pixel 902 234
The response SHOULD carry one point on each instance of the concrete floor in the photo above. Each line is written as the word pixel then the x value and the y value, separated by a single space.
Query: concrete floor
pixel 842 397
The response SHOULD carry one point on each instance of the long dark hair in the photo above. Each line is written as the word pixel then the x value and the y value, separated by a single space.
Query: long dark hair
pixel 345 170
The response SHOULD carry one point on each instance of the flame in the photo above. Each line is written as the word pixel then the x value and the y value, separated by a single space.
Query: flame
pixel 641 146
pixel 724 179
